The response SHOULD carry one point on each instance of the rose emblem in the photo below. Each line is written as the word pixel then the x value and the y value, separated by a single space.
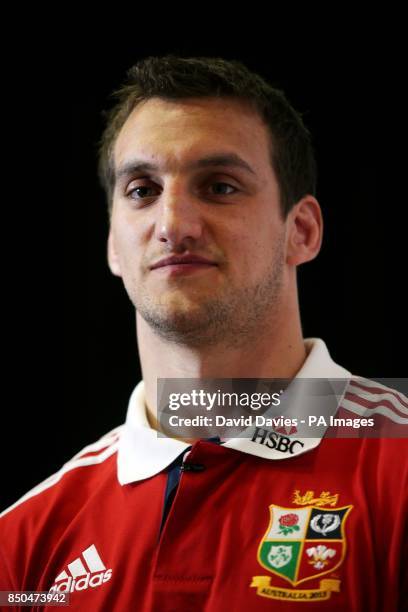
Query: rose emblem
pixel 288 523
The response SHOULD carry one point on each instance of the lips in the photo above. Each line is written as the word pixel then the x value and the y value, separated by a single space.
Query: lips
pixel 177 260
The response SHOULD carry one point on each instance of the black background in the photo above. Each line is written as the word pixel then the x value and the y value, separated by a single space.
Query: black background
pixel 72 360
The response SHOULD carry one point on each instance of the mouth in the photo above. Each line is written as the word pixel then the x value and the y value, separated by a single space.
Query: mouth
pixel 182 264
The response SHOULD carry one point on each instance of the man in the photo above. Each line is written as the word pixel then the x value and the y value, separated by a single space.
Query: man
pixel 210 178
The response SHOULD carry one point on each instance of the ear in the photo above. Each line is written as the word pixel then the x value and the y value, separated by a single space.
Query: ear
pixel 305 231
pixel 113 259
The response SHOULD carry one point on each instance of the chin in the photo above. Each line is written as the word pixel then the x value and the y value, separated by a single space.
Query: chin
pixel 177 319
pixel 187 325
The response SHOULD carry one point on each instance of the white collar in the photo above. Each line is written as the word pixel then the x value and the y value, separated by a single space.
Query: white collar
pixel 143 454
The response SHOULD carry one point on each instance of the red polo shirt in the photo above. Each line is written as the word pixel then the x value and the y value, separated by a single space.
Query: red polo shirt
pixel 251 528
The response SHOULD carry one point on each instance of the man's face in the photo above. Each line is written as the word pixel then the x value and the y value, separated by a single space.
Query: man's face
pixel 196 230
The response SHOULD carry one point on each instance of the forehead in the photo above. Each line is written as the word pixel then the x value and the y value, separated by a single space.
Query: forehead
pixel 170 134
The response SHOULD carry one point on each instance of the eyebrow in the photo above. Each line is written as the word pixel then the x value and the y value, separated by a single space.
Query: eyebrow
pixel 226 160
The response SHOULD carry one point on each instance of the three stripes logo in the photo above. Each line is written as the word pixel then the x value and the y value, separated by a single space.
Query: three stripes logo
pixel 83 573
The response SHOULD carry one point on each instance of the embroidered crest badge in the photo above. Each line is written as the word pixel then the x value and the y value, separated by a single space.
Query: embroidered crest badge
pixel 301 544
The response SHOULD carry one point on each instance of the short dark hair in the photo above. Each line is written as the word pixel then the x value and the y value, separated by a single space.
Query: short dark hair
pixel 171 77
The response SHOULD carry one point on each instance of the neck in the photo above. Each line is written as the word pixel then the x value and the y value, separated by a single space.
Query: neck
pixel 278 351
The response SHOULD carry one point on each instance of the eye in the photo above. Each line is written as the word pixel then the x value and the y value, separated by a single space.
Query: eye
pixel 223 185
pixel 142 192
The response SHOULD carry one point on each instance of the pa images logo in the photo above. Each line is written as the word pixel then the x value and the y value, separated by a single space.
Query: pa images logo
pixel 302 544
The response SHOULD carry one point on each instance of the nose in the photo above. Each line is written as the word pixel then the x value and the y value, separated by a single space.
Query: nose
pixel 179 218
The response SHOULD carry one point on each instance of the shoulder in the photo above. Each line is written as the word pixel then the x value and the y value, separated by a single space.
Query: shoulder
pixel 369 398
pixel 376 416
pixel 32 527
pixel 75 477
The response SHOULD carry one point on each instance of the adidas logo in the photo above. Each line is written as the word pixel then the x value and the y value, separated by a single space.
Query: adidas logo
pixel 78 577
